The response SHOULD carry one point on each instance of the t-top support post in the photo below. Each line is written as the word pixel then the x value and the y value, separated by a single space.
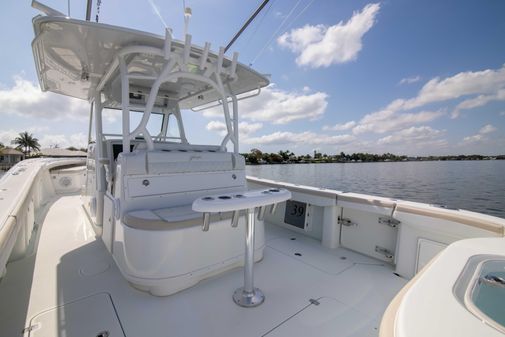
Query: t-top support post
pixel 176 66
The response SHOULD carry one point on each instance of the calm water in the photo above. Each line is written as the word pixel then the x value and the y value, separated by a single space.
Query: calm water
pixel 473 185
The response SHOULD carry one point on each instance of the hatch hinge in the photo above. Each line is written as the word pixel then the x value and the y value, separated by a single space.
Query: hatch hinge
pixel 385 220
pixel 346 222
pixel 384 251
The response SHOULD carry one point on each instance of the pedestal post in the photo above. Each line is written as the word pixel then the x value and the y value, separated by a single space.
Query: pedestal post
pixel 248 296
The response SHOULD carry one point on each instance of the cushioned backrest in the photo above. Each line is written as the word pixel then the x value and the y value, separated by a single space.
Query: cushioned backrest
pixel 180 161
pixel 133 163
pixel 178 146
pixel 157 179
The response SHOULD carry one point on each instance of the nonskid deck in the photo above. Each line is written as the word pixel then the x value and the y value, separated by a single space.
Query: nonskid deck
pixel 309 290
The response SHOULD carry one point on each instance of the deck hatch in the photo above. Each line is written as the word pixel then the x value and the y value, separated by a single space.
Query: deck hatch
pixel 85 317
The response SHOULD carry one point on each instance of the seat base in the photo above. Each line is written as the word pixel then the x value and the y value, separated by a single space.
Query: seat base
pixel 175 255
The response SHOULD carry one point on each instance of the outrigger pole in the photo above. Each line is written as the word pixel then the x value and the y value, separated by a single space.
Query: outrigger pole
pixel 256 12
pixel 88 10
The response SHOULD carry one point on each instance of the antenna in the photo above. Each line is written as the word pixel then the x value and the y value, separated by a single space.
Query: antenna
pixel 157 12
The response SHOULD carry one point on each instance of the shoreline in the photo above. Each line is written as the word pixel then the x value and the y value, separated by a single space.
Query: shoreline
pixel 361 161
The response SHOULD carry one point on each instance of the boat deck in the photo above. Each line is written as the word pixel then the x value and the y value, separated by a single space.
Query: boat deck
pixel 309 290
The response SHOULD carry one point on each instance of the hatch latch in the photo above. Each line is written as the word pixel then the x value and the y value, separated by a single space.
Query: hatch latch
pixel 385 252
pixel 346 222
pixel 385 220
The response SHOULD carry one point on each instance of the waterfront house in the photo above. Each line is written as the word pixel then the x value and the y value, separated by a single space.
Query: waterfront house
pixel 9 157
pixel 56 152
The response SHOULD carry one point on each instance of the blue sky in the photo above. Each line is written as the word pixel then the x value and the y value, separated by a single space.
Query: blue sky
pixel 408 77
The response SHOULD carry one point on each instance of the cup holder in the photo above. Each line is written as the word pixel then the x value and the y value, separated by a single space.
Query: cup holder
pixel 245 195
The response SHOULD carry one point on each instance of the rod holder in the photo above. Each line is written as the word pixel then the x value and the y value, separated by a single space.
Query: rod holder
pixel 187 49
pixel 220 58
pixel 167 49
pixel 233 68
pixel 205 55
pixel 273 208
pixel 234 219
pixel 206 222
pixel 261 213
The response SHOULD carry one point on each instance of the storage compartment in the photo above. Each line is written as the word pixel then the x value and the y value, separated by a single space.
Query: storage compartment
pixel 326 317
pixel 426 250
pixel 369 233
pixel 435 225
pixel 178 254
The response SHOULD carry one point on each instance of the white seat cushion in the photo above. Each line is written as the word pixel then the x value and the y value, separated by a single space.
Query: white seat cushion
pixel 180 161
pixel 168 218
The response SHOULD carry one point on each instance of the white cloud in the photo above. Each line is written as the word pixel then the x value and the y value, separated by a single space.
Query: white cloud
pixel 302 138
pixel 478 101
pixel 26 99
pixel 79 140
pixel 502 113
pixel 321 46
pixel 473 139
pixel 486 129
pixel 53 140
pixel 244 128
pixel 481 136
pixel 410 80
pixel 486 85
pixel 47 140
pixel 37 129
pixel 60 140
pixel 6 136
pixel 216 126
pixel 111 116
pixel 412 135
pixel 340 127
pixel 389 120
pixel 279 106
pixel 485 82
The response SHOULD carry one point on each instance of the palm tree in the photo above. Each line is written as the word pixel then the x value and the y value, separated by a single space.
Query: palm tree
pixel 27 142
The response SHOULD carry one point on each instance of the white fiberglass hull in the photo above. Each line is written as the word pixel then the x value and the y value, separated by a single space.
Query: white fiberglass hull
pixel 325 277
